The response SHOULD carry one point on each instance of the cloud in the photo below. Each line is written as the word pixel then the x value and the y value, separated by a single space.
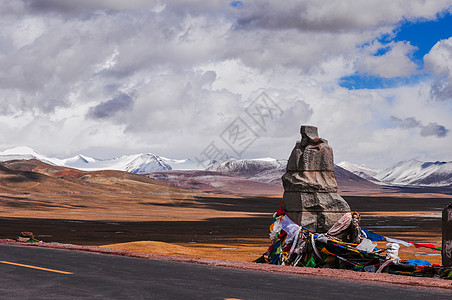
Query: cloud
pixel 395 62
pixel 439 61
pixel 337 16
pixel 119 103
pixel 441 89
pixel 70 7
pixel 406 123
pixel 432 129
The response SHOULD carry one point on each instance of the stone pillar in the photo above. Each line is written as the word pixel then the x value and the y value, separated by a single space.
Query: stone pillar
pixel 310 187
pixel 446 253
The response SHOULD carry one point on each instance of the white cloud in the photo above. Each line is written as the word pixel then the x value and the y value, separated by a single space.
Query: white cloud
pixel 439 61
pixel 336 15
pixel 394 63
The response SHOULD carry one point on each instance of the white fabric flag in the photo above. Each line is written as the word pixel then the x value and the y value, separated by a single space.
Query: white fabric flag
pixel 290 227
pixel 391 240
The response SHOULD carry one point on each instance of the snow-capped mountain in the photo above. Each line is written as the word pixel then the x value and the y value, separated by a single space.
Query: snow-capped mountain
pixel 183 164
pixel 147 163
pixel 136 163
pixel 267 170
pixel 78 161
pixel 270 170
pixel 359 170
pixel 22 153
pixel 414 172
pixel 248 166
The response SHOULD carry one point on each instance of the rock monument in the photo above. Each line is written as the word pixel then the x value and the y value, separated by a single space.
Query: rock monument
pixel 310 187
pixel 447 236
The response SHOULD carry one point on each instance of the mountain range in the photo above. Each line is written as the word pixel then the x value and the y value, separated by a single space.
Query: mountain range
pixel 360 170
pixel 266 170
pixel 135 163
pixel 406 173
pixel 414 172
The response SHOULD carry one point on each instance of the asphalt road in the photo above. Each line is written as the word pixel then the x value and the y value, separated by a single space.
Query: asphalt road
pixel 102 276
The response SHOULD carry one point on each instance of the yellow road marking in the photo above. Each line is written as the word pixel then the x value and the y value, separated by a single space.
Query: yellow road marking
pixel 33 267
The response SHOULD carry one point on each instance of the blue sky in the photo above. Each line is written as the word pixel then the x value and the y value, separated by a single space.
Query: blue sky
pixel 424 34
pixel 421 33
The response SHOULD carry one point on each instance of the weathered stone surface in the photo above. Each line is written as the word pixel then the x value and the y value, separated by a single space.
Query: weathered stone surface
pixel 327 219
pixel 310 181
pixel 447 236
pixel 295 156
pixel 316 158
pixel 292 202
pixel 309 220
pixel 25 236
pixel 315 221
pixel 310 187
pixel 309 131
pixel 295 201
pixel 306 219
pixel 333 202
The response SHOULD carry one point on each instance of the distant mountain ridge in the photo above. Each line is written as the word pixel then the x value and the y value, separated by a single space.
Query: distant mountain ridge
pixel 407 173
pixel 22 153
pixel 135 163
pixel 414 172
pixel 268 170
pixel 360 170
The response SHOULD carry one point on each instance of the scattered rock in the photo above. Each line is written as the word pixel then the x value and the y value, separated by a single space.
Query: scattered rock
pixel 25 236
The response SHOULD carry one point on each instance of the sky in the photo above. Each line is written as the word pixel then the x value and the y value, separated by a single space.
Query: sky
pixel 213 79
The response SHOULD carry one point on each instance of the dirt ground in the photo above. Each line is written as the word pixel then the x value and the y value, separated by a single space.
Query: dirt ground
pixel 208 226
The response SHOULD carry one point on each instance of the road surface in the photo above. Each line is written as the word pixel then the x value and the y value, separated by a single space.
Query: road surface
pixel 42 273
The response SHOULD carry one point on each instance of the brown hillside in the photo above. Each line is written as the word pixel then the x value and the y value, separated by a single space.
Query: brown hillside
pixel 35 189
pixel 37 176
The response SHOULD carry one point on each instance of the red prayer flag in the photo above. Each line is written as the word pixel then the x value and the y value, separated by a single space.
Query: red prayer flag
pixel 280 210
pixel 430 246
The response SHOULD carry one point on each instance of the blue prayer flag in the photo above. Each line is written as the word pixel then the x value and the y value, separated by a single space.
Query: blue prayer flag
pixel 373 236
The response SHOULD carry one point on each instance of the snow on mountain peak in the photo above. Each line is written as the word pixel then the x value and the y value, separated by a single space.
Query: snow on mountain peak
pixel 22 153
pixel 20 150
pixel 248 165
pixel 183 164
pixel 354 168
pixel 76 161
pixel 147 162
pixel 359 170
pixel 414 172
pixel 87 159
pixel 135 163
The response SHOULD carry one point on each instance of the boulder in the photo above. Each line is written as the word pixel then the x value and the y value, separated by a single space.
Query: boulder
pixel 25 236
